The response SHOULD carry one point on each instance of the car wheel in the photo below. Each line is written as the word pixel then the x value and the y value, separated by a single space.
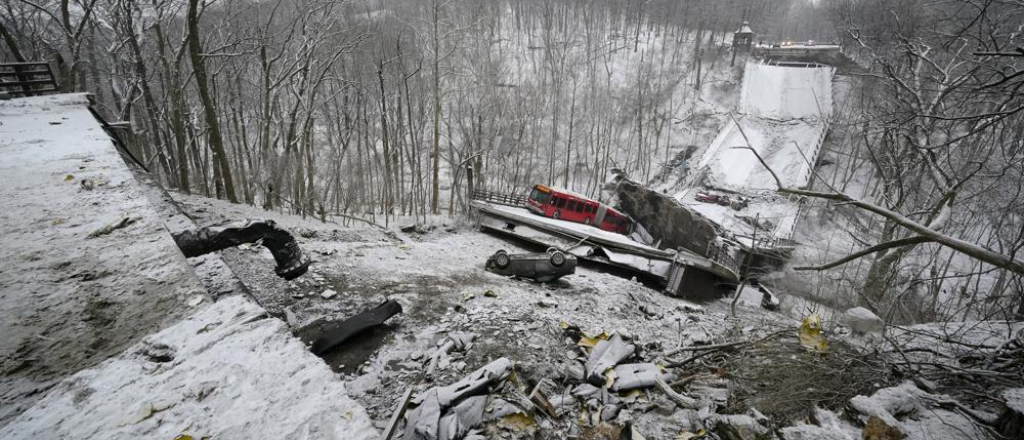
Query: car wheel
pixel 557 214
pixel 501 259
pixel 557 258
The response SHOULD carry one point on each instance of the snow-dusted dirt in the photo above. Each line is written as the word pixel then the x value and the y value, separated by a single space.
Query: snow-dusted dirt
pixel 439 279
pixel 68 301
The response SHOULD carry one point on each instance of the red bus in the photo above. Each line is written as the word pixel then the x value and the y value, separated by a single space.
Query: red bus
pixel 569 206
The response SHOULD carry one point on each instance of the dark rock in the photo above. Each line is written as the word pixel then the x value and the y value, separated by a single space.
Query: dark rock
pixel 673 224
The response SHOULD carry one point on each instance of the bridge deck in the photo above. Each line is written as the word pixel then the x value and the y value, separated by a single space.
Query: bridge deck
pixel 581 240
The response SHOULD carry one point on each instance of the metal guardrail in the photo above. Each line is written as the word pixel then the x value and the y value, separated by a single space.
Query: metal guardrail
pixel 27 79
pixel 517 201
pixel 723 256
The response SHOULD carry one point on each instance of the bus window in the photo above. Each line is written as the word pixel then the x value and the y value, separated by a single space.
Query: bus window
pixel 579 208
pixel 561 202
pixel 539 196
pixel 572 205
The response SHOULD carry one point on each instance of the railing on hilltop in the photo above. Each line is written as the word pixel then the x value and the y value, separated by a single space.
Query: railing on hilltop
pixel 499 198
pixel 27 79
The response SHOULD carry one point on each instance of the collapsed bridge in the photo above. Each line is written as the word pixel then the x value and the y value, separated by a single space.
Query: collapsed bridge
pixel 681 272
pixel 783 115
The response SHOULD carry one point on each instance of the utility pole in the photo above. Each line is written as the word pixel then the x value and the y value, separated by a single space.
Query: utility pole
pixel 746 262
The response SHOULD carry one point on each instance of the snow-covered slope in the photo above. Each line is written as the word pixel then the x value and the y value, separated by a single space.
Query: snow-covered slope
pixel 111 335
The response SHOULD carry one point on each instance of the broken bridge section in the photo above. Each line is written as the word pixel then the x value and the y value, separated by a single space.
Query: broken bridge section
pixel 681 272
pixel 783 114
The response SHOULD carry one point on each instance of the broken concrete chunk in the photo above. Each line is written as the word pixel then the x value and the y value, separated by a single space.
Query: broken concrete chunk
pixel 476 382
pixel 887 403
pixel 736 426
pixel 607 354
pixel 422 422
pixel 632 376
pixel 500 408
pixel 465 416
pixel 586 391
pixel 455 341
pixel 435 419
pixel 328 294
pixel 862 321
pixel 609 412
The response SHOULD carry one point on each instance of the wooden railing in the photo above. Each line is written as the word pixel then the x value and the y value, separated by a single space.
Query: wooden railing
pixel 27 79
pixel 499 198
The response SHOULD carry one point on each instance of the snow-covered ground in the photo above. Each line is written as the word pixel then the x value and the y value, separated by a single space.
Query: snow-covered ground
pixel 228 371
pixel 107 333
pixel 69 300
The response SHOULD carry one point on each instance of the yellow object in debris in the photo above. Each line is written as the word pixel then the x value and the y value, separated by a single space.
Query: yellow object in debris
pixel 609 377
pixel 810 334
pixel 69 178
pixel 518 422
pixel 687 435
pixel 591 341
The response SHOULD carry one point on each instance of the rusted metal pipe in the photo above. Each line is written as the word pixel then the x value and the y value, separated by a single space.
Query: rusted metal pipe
pixel 291 261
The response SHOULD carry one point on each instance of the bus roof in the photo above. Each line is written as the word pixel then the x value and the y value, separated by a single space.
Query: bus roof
pixel 569 193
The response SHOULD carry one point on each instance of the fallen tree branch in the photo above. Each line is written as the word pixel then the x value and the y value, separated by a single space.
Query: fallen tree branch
pixel 722 346
pixel 679 399
pixel 970 249
pixel 917 239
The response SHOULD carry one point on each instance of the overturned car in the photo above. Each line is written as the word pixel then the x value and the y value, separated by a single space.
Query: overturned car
pixel 541 267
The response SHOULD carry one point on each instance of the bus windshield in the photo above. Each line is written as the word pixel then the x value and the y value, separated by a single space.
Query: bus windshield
pixel 540 196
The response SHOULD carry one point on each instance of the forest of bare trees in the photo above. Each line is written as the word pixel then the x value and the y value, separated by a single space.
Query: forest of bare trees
pixel 366 107
pixel 377 109
pixel 931 144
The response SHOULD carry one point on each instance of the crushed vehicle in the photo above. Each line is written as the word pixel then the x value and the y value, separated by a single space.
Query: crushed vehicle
pixel 541 267
pixel 706 197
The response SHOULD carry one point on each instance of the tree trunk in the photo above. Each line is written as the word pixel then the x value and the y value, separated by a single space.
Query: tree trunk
pixel 209 109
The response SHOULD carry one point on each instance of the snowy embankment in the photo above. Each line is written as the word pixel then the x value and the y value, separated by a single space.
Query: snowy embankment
pixel 107 332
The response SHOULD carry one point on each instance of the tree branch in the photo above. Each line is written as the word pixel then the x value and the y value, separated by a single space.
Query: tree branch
pixel 870 250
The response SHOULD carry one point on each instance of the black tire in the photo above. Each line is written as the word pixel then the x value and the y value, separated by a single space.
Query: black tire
pixel 557 258
pixel 557 214
pixel 501 259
